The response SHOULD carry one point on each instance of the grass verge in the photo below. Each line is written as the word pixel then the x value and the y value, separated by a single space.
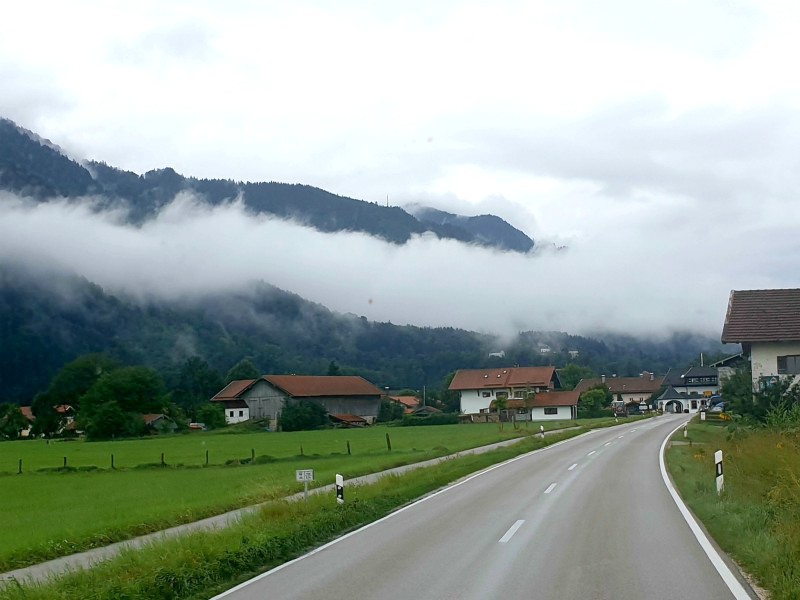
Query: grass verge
pixel 757 518
pixel 202 564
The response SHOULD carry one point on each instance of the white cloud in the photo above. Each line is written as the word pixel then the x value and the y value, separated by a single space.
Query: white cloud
pixel 598 284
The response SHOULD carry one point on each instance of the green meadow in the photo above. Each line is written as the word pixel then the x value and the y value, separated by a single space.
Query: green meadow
pixel 221 446
pixel 54 513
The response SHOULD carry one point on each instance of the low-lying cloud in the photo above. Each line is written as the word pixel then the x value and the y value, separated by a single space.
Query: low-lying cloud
pixel 637 279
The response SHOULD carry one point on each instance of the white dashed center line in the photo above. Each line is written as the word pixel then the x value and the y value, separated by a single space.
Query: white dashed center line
pixel 511 531
pixel 572 467
pixel 592 452
pixel 607 444
pixel 550 488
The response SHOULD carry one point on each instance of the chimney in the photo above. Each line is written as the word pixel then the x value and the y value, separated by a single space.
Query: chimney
pixel 602 378
pixel 652 376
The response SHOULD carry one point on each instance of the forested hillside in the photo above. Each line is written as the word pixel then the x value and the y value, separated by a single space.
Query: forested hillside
pixel 49 318
pixel 37 168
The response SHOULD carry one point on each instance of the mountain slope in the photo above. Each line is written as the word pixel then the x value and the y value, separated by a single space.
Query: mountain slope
pixel 483 227
pixel 48 318
pixel 34 167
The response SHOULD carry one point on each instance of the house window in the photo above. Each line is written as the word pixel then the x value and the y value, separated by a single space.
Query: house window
pixel 789 365
pixel 241 413
pixel 550 410
pixel 486 394
pixel 230 413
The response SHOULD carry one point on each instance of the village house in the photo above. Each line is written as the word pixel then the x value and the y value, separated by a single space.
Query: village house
pixel 628 390
pixel 767 325
pixel 546 406
pixel 479 387
pixel 263 398
pixel 409 403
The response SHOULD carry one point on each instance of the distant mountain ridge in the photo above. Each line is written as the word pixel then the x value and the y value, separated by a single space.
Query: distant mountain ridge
pixel 36 167
pixel 484 227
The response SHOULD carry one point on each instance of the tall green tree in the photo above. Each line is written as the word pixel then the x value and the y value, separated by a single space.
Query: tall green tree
pixel 114 405
pixel 12 421
pixel 197 384
pixel 593 401
pixel 244 369
pixel 76 378
pixel 570 375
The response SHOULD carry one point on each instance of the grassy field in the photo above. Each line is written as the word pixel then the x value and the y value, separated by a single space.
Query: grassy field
pixel 757 519
pixel 190 449
pixel 200 565
pixel 49 514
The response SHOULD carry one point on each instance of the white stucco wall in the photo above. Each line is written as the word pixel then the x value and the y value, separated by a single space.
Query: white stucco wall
pixel 232 415
pixel 562 413
pixel 764 357
pixel 472 401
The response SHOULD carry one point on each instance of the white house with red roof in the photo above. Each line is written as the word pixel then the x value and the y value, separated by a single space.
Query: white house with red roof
pixel 767 325
pixel 545 406
pixel 479 387
pixel 264 397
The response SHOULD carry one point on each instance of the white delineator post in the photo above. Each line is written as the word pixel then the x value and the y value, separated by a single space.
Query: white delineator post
pixel 720 476
pixel 339 489
pixel 541 430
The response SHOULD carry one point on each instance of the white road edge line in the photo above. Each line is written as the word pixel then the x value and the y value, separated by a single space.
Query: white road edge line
pixel 511 531
pixel 592 452
pixel 244 584
pixel 550 488
pixel 734 585
pixel 572 467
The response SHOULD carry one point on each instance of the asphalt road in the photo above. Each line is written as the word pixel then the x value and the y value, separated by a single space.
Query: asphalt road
pixel 590 518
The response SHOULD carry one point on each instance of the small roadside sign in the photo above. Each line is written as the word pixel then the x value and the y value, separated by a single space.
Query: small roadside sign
pixel 339 489
pixel 304 475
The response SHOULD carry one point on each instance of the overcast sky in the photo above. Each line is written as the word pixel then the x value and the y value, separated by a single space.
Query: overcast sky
pixel 659 141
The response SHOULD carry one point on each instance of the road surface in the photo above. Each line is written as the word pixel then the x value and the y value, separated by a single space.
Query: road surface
pixel 590 518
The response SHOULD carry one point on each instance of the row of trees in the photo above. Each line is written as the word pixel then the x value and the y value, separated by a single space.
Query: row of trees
pixel 108 399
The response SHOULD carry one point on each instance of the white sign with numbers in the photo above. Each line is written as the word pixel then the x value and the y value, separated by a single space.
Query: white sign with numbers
pixel 304 474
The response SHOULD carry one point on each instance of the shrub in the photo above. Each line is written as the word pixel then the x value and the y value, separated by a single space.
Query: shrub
pixel 302 415
pixel 435 419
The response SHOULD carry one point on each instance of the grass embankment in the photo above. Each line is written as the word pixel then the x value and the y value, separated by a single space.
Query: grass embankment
pixel 47 514
pixel 757 519
pixel 201 564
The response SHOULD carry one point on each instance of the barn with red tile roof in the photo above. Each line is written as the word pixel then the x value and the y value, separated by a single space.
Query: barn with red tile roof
pixel 265 396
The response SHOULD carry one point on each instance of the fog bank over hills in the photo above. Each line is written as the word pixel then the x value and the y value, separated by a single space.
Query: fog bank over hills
pixel 191 248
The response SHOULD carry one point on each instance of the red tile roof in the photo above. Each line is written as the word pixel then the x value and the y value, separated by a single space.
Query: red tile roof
pixel 546 399
pixel 308 386
pixel 762 316
pixel 476 379
pixel 407 401
pixel 350 419
pixel 234 389
pixel 623 385
pixel 27 413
